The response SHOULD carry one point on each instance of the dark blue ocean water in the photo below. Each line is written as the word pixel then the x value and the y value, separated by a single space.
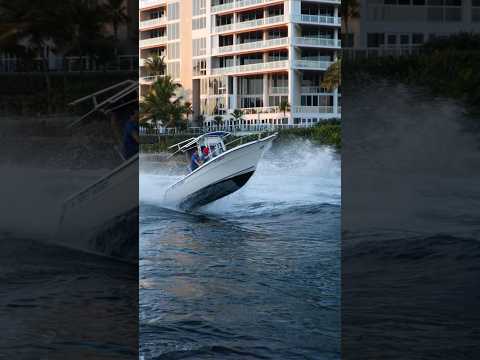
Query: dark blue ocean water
pixel 55 302
pixel 255 275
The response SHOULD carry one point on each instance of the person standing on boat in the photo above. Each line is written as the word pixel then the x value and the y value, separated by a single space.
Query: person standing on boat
pixel 205 153
pixel 196 161
pixel 131 139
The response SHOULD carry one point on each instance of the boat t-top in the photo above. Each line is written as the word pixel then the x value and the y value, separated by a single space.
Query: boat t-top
pixel 224 170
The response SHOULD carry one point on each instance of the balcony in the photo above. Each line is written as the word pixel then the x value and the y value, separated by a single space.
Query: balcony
pixel 239 4
pixel 318 42
pixel 273 20
pixel 317 19
pixel 251 68
pixel 313 109
pixel 280 90
pixel 249 46
pixel 303 64
pixel 313 90
pixel 148 80
pixel 152 3
pixel 327 1
pixel 153 23
pixel 158 41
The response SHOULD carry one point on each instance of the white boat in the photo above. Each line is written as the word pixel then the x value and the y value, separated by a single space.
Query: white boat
pixel 103 217
pixel 222 173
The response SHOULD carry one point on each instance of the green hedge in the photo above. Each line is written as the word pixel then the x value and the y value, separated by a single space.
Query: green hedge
pixel 325 133
pixel 447 67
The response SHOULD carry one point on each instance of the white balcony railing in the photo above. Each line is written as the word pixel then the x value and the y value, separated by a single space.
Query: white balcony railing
pixel 313 64
pixel 279 90
pixel 153 41
pixel 327 1
pixel 251 23
pixel 260 110
pixel 312 109
pixel 238 4
pixel 283 64
pixel 224 28
pixel 222 7
pixel 150 3
pixel 312 90
pixel 149 79
pixel 251 45
pixel 318 19
pixel 318 41
pixel 153 22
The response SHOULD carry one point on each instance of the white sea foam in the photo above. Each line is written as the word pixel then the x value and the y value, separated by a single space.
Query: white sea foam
pixel 293 174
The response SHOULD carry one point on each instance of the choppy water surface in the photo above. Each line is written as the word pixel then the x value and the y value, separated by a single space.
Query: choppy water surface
pixel 411 225
pixel 253 275
pixel 58 303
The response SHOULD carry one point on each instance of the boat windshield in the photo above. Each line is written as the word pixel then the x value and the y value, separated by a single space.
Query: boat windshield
pixel 211 146
pixel 208 146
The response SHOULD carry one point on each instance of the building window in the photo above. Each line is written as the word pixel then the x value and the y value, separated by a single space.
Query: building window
pixel 453 14
pixel 198 7
pixel 199 47
pixel 173 69
pixel 417 39
pixel 173 31
pixel 199 23
pixel 392 39
pixel 475 10
pixel 199 67
pixel 173 50
pixel 173 11
pixel 375 39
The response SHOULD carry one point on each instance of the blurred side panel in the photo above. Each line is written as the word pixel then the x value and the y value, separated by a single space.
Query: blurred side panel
pixel 410 174
pixel 69 224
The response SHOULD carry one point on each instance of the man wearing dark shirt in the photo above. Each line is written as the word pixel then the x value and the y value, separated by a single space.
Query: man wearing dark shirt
pixel 131 138
pixel 196 162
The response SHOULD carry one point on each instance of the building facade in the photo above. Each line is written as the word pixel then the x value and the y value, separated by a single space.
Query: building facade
pixel 408 23
pixel 250 55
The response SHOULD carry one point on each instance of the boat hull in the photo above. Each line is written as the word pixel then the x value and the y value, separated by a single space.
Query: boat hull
pixel 103 218
pixel 219 177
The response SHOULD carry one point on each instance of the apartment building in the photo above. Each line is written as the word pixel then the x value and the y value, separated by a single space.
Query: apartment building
pixel 246 54
pixel 408 23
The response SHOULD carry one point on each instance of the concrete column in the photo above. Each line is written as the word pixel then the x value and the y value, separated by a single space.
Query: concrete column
pixel 235 93
pixel 265 90
pixel 293 91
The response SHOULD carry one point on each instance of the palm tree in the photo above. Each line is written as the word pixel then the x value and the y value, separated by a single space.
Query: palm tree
pixel 332 78
pixel 162 104
pixel 350 9
pixel 30 28
pixel 188 109
pixel 155 64
pixel 88 38
pixel 284 107
pixel 237 115
pixel 218 120
pixel 117 14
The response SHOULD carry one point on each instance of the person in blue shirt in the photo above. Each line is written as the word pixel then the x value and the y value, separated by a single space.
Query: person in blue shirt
pixel 196 161
pixel 131 139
